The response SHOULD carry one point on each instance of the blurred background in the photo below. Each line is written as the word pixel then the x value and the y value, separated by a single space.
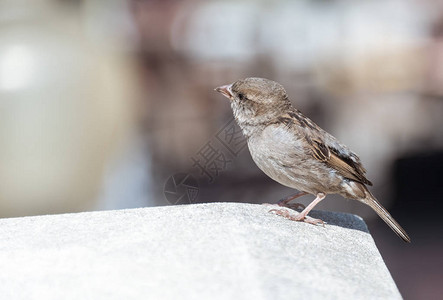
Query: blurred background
pixel 110 105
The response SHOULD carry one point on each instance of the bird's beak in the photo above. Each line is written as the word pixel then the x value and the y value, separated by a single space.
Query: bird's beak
pixel 225 90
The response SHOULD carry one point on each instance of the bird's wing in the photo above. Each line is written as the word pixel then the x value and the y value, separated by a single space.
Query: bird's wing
pixel 326 148
pixel 339 160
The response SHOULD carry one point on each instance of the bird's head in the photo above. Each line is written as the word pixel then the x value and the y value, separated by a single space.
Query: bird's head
pixel 256 101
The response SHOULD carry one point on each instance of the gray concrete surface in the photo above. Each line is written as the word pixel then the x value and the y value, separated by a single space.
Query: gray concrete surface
pixel 203 251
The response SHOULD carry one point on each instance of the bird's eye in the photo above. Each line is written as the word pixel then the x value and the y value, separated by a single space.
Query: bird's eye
pixel 241 96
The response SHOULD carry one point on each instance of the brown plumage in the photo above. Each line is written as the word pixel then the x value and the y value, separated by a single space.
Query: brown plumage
pixel 296 152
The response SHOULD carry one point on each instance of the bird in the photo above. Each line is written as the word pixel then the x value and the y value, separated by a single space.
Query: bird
pixel 294 151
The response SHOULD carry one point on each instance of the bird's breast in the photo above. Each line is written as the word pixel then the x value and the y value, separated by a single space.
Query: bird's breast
pixel 282 156
pixel 274 159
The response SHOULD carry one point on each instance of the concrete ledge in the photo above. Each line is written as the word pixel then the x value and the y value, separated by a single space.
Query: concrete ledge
pixel 202 251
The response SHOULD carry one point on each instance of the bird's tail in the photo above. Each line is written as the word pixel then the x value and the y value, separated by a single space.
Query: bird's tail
pixel 386 216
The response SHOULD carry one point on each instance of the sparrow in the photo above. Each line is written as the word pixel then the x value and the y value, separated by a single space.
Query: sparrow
pixel 294 151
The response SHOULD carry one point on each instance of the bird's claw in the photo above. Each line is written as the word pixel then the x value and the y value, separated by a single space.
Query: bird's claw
pixel 294 206
pixel 299 217
pixel 314 221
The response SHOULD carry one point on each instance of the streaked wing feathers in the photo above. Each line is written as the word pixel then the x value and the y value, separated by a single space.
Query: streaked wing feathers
pixel 327 148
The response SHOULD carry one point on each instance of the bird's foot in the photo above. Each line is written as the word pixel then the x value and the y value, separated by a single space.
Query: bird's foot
pixel 314 221
pixel 285 201
pixel 299 217
pixel 294 206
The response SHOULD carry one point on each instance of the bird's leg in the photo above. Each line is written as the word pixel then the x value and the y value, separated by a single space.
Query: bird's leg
pixel 304 213
pixel 285 201
pixel 303 216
